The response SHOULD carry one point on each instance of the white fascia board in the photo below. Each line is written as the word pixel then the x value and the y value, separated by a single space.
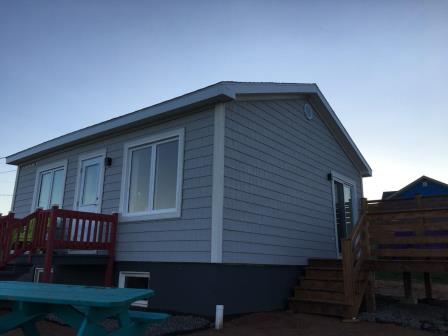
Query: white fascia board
pixel 367 171
pixel 219 92
pixel 190 99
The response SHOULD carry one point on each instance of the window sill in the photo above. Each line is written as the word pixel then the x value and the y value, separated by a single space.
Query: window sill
pixel 126 218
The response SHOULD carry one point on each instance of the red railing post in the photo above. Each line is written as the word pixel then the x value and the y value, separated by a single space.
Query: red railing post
pixel 6 238
pixel 9 239
pixel 108 282
pixel 46 277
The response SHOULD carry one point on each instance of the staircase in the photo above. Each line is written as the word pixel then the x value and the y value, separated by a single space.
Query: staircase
pixel 337 287
pixel 408 235
pixel 321 289
pixel 45 231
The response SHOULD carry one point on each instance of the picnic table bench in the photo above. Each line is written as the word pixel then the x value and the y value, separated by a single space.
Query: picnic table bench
pixel 81 307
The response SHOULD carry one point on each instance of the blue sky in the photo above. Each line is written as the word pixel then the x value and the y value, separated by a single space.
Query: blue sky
pixel 383 66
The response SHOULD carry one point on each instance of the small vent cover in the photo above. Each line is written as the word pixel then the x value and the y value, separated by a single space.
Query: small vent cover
pixel 309 112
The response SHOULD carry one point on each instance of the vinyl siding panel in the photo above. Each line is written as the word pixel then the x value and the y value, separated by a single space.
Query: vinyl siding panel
pixel 278 205
pixel 181 239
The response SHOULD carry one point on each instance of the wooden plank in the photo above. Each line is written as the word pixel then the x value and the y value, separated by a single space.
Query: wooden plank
pixel 410 252
pixel 410 227
pixel 370 293
pixel 428 285
pixel 347 267
pixel 407 284
pixel 396 240
pixel 417 266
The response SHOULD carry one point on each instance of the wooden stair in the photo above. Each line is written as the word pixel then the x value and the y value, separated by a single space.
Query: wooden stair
pixel 321 290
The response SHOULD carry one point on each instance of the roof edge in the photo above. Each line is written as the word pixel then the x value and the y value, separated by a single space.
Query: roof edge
pixel 219 92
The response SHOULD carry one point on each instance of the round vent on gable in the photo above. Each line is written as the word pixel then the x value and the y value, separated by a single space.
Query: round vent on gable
pixel 424 184
pixel 309 112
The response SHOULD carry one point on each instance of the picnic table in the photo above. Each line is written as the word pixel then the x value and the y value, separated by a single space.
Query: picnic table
pixel 81 307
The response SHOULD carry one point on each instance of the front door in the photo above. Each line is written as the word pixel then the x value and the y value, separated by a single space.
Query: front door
pixel 89 192
pixel 344 209
pixel 90 184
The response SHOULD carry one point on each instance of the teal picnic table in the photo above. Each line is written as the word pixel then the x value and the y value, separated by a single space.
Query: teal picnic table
pixel 81 307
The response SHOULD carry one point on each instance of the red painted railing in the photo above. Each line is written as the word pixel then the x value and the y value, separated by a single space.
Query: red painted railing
pixel 48 230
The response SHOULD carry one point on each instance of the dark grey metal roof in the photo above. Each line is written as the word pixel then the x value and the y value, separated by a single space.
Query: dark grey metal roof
pixel 219 92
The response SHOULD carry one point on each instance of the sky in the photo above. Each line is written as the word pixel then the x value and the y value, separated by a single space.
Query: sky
pixel 382 65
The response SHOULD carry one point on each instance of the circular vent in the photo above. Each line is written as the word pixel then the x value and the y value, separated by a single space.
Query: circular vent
pixel 309 112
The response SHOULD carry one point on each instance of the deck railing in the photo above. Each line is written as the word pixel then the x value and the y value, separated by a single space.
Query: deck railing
pixel 49 230
pixel 355 251
pixel 411 229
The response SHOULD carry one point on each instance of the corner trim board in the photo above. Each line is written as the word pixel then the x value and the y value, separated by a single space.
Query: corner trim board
pixel 218 184
pixel 16 182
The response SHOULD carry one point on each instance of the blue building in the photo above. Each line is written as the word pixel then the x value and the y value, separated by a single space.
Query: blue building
pixel 424 186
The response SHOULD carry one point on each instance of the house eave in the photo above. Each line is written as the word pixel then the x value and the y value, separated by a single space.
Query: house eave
pixel 177 105
pixel 219 92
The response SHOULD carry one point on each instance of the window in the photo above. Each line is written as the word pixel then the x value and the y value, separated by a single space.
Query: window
pixel 50 181
pixel 153 177
pixel 135 280
pixel 39 272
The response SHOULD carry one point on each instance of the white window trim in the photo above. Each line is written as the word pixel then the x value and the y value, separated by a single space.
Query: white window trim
pixel 335 176
pixel 124 194
pixel 122 280
pixel 38 270
pixel 99 153
pixel 39 171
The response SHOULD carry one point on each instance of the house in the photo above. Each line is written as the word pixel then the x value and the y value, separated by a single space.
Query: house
pixel 223 193
pixel 424 186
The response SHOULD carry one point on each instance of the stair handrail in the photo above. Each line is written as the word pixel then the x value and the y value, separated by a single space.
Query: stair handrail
pixel 355 251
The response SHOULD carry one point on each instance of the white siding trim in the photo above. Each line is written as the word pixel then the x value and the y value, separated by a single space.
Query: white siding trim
pixel 16 182
pixel 218 184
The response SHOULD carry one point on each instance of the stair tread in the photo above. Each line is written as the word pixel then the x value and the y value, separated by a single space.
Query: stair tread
pixel 319 301
pixel 324 279
pixel 331 290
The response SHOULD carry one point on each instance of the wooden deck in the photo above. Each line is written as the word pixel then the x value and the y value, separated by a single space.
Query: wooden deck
pixel 405 236
pixel 45 231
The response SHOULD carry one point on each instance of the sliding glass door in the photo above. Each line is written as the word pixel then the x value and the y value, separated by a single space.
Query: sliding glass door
pixel 344 198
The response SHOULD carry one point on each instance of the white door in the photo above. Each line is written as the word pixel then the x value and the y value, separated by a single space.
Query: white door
pixel 90 184
pixel 89 194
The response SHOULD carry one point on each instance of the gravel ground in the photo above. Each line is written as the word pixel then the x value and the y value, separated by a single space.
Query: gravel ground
pixel 429 315
pixel 175 325
pixel 275 324
pixel 390 319
pixel 289 324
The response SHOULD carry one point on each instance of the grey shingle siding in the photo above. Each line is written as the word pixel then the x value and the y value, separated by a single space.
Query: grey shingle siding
pixel 278 205
pixel 182 239
pixel 277 200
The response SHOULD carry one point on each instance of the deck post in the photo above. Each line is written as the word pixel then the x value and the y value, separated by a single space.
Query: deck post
pixel 46 277
pixel 347 269
pixel 108 281
pixel 428 285
pixel 370 293
pixel 407 283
